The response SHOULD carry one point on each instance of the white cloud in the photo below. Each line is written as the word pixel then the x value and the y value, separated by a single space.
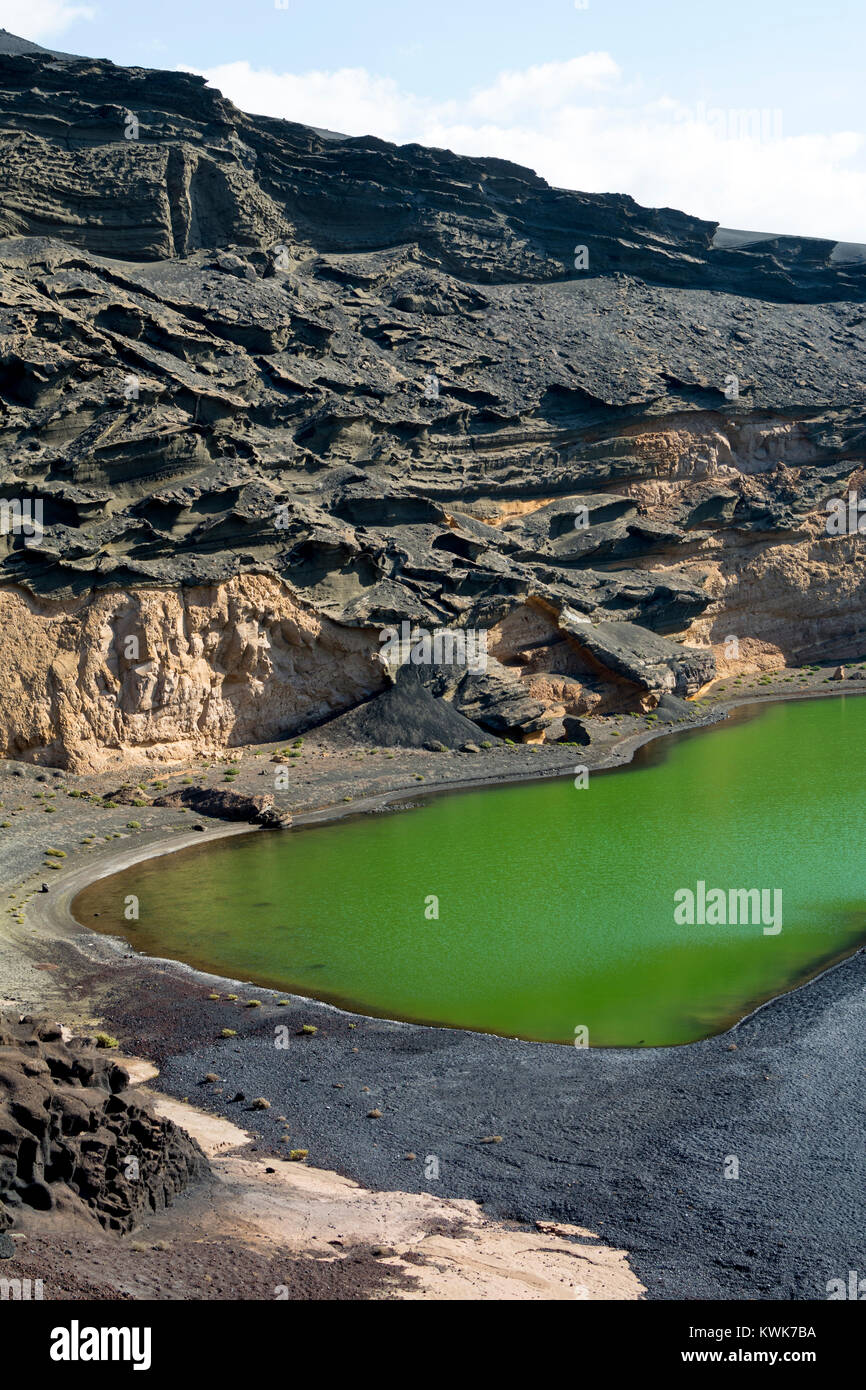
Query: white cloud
pixel 40 19
pixel 544 86
pixel 349 100
pixel 580 125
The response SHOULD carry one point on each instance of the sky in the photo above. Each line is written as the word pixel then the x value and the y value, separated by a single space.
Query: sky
pixel 747 112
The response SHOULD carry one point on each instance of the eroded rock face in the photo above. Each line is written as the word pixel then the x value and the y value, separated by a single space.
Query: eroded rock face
pixel 75 1137
pixel 90 682
pixel 317 385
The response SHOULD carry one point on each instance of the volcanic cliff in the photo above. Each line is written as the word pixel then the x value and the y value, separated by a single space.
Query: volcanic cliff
pixel 275 389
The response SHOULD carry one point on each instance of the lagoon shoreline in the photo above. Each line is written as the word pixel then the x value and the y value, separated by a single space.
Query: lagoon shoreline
pixel 626 1141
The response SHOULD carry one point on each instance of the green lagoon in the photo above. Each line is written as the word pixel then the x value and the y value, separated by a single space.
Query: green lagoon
pixel 556 904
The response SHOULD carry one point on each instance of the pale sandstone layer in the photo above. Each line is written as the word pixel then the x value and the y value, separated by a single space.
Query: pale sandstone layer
pixel 165 675
pixel 212 666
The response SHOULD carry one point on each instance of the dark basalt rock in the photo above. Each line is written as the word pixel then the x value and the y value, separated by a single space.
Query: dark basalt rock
pixel 641 657
pixel 237 344
pixel 226 805
pixel 406 715
pixel 673 710
pixel 10 43
pixel 497 700
pixel 575 731
pixel 74 1136
pixel 237 179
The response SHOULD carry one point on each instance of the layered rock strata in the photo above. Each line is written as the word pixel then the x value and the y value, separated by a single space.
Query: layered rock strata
pixel 271 389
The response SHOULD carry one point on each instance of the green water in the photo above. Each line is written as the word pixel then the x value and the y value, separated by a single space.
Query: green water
pixel 556 904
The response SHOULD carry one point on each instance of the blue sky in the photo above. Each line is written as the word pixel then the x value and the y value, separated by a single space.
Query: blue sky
pixel 749 111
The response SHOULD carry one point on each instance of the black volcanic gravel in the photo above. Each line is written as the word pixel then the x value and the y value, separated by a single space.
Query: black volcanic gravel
pixel 630 1143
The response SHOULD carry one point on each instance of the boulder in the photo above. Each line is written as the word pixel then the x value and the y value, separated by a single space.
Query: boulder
pixel 673 710
pixel 226 805
pixel 645 658
pixel 497 699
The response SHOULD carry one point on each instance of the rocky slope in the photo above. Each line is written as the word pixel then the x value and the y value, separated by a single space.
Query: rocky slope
pixel 276 388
